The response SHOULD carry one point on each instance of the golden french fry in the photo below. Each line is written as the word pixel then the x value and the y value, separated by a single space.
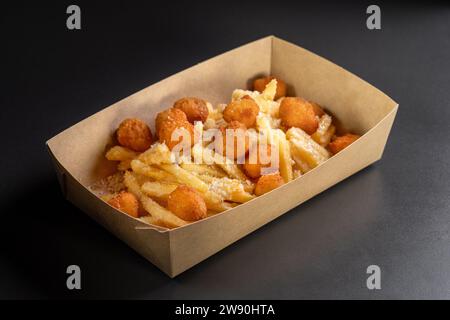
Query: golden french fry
pixel 324 131
pixel 203 169
pixel 185 177
pixel 247 185
pixel 215 202
pixel 210 157
pixel 231 190
pixel 305 148
pixel 240 196
pixel 158 189
pixel 326 138
pixel 152 220
pixel 151 171
pixel 152 207
pixel 119 153
pixel 285 158
pixel 301 164
pixel 107 197
pixel 206 178
pixel 158 153
pixel 124 165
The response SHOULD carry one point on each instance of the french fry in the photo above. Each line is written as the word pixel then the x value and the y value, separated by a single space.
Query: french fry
pixel 324 131
pixel 151 171
pixel 206 178
pixel 285 157
pixel 158 189
pixel 301 165
pixel 326 138
pixel 152 207
pixel 210 157
pixel 305 148
pixel 124 165
pixel 185 177
pixel 119 153
pixel 297 173
pixel 215 202
pixel 152 220
pixel 203 169
pixel 231 190
pixel 158 153
pixel 247 185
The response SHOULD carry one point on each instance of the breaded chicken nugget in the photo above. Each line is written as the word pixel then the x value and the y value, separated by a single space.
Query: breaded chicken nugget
pixel 244 111
pixel 342 142
pixel 167 132
pixel 134 134
pixel 187 203
pixel 168 114
pixel 261 83
pixel 317 109
pixel 239 131
pixel 297 112
pixel 194 108
pixel 125 202
pixel 268 182
pixel 263 160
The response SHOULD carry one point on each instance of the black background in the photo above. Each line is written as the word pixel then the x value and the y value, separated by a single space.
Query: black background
pixel 394 214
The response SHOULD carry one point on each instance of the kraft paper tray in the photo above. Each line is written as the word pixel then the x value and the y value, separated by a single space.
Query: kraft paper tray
pixel 78 152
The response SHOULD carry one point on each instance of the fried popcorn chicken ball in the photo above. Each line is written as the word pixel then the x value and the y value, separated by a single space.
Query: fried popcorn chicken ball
pixel 297 112
pixel 317 109
pixel 194 108
pixel 167 130
pixel 125 202
pixel 252 169
pixel 261 83
pixel 268 182
pixel 342 142
pixel 169 114
pixel 187 203
pixel 244 111
pixel 239 133
pixel 134 134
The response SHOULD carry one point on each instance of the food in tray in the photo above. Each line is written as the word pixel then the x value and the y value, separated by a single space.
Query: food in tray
pixel 202 160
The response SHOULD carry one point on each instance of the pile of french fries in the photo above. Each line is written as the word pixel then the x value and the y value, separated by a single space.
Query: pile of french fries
pixel 154 174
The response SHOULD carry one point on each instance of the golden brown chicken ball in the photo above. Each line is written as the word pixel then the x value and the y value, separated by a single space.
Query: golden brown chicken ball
pixel 125 202
pixel 187 203
pixel 268 182
pixel 238 130
pixel 244 111
pixel 262 155
pixel 168 114
pixel 194 108
pixel 317 109
pixel 134 134
pixel 261 83
pixel 167 132
pixel 342 142
pixel 297 112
